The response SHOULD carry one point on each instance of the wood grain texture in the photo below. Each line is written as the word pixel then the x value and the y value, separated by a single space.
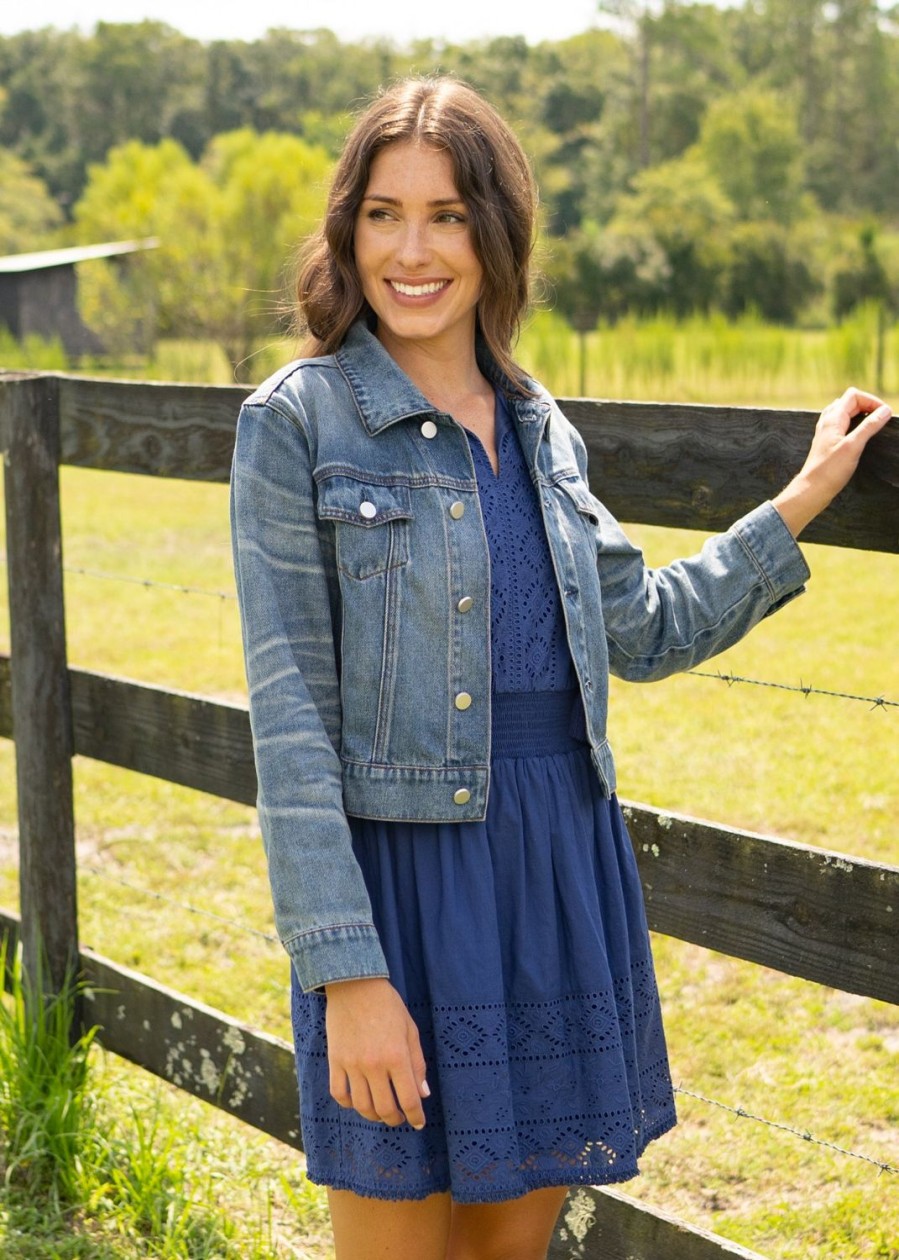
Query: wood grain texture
pixel 184 431
pixel 172 735
pixel 809 912
pixel 604 1224
pixel 702 467
pixel 40 702
pixel 687 466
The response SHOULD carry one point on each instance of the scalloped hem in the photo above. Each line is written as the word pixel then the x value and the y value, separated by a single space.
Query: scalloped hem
pixel 525 1183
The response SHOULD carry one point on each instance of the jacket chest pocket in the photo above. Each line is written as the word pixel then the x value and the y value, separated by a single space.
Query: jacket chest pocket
pixel 371 524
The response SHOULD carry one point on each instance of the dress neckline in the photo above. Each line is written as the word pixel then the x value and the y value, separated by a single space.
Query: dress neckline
pixel 501 423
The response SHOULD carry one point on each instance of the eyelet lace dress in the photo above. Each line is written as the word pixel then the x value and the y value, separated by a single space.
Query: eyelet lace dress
pixel 518 943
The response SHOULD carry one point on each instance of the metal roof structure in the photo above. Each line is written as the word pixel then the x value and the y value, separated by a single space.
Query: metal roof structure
pixel 44 258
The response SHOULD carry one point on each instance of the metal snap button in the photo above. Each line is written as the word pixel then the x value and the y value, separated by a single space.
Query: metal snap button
pixel 457 510
pixel 465 604
pixel 429 429
pixel 462 796
pixel 463 700
pixel 368 510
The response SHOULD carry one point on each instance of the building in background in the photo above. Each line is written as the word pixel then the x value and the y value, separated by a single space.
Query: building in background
pixel 39 293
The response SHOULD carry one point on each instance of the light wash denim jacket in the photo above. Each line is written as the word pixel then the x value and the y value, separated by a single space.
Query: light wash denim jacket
pixel 364 585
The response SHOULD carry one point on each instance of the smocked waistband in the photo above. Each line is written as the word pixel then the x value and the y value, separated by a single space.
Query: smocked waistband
pixel 536 723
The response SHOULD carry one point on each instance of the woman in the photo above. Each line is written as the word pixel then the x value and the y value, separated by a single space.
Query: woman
pixel 432 601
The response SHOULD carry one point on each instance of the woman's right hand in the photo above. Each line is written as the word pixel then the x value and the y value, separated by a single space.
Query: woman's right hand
pixel 374 1053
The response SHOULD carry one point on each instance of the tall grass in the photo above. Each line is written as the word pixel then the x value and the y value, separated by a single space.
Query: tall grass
pixel 47 1116
pixel 710 359
pixel 83 1177
pixel 703 359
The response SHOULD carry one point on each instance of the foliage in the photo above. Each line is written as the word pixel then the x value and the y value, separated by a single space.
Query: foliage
pixel 773 113
pixel 28 214
pixel 751 145
pixel 46 1110
pixel 32 353
pixel 226 226
pixel 85 1173
pixel 863 277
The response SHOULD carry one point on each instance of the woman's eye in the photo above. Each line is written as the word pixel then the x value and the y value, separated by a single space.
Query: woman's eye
pixel 378 214
pixel 451 216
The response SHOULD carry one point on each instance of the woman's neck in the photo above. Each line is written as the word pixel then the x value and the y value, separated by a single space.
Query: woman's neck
pixel 447 375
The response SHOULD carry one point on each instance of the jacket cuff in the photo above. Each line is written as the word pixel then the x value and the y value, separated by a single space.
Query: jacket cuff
pixel 350 951
pixel 775 553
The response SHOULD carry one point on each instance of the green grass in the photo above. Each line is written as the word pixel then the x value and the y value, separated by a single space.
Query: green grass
pixel 711 360
pixel 95 1165
pixel 816 769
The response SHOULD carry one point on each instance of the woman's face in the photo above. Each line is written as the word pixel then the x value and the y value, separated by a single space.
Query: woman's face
pixel 414 251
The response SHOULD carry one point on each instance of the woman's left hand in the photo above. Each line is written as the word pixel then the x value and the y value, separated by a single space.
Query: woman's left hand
pixel 833 457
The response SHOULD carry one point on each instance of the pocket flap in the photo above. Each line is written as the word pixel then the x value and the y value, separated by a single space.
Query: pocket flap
pixel 361 502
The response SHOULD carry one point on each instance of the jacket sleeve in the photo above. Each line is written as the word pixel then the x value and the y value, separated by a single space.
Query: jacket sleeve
pixel 661 621
pixel 322 910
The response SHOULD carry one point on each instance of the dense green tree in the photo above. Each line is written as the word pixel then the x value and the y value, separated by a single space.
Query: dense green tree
pixel 683 209
pixel 751 144
pixel 43 95
pixel 767 274
pixel 28 214
pixel 140 80
pixel 226 228
pixel 863 277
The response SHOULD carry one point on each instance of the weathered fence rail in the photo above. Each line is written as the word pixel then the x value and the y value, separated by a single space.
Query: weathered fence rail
pixel 811 913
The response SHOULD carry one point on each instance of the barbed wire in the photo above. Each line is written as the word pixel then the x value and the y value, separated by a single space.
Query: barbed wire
pixel 803 689
pixel 179 905
pixel 786 1128
pixel 876 702
pixel 272 939
pixel 150 583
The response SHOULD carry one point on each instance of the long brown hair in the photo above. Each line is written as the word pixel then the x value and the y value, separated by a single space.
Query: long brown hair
pixel 492 177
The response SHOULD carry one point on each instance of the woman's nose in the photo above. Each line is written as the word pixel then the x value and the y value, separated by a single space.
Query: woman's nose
pixel 413 248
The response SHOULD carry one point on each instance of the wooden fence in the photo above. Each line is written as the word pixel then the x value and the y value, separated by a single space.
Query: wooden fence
pixel 804 911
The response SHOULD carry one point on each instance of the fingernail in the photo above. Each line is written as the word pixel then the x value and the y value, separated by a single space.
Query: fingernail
pixel 425 1090
pixel 418 1127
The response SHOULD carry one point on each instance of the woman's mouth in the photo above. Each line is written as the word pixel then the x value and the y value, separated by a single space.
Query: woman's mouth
pixel 418 290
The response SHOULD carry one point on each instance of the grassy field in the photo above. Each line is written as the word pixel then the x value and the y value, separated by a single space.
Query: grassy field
pixel 816 769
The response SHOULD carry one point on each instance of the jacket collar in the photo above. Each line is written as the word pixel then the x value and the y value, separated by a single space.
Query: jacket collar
pixel 385 394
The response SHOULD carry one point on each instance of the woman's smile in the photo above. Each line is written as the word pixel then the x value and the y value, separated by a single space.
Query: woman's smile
pixel 414 253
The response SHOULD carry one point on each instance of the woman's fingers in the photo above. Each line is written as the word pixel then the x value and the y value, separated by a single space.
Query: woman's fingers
pixel 388 1097
pixel 375 1059
pixel 833 456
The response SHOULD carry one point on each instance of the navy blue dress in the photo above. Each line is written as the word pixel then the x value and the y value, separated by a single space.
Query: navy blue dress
pixel 518 943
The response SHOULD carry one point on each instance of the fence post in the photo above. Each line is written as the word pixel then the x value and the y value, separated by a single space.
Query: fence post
pixel 41 707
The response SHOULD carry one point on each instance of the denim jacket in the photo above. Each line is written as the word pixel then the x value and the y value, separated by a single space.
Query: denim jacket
pixel 363 577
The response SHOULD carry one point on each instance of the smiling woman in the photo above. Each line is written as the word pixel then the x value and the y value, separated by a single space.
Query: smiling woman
pixel 419 271
pixel 432 603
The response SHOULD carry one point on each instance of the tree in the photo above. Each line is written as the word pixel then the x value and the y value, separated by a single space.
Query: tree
pixel 138 77
pixel 226 226
pixel 767 274
pixel 682 208
pixel 637 17
pixel 751 145
pixel 28 214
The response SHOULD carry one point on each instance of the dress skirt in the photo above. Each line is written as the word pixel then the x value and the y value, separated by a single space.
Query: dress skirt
pixel 520 947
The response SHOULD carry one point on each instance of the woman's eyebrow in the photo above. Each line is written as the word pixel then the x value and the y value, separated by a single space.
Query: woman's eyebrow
pixel 395 201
